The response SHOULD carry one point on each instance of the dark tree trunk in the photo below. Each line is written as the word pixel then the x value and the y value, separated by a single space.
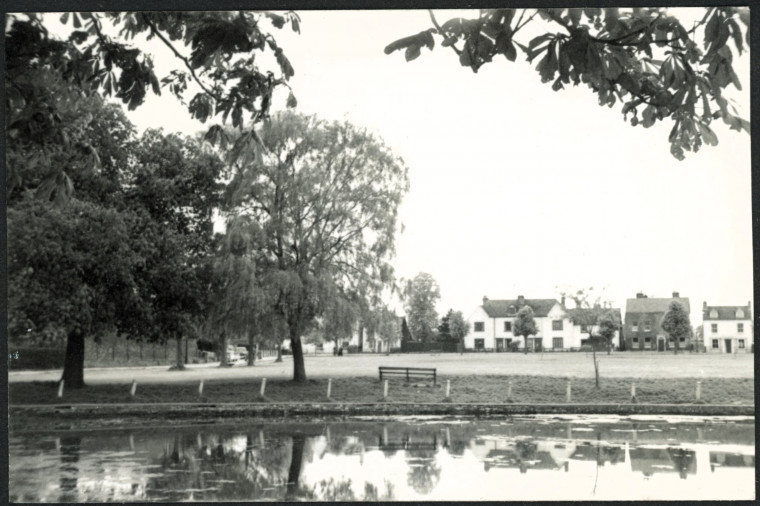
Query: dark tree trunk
pixel 675 346
pixel 526 345
pixel 299 371
pixel 127 343
pixel 296 460
pixel 279 353
pixel 187 351
pixel 178 358
pixel 73 364
pixel 251 350
pixel 223 350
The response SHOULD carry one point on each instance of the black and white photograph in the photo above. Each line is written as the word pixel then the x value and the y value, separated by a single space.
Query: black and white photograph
pixel 378 254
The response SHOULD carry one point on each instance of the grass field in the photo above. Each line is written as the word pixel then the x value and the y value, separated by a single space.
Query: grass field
pixel 575 365
pixel 464 389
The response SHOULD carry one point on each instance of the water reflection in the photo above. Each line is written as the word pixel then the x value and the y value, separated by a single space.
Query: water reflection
pixel 390 460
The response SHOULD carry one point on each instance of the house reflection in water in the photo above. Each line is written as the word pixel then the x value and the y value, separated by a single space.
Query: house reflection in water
pixel 649 461
pixel 724 459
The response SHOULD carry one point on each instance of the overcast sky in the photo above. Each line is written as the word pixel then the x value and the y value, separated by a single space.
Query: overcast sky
pixel 517 189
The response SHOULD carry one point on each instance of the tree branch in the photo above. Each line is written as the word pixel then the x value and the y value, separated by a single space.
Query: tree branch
pixel 157 33
pixel 440 31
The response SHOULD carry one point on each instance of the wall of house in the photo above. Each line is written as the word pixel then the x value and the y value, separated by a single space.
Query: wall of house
pixel 479 315
pixel 727 329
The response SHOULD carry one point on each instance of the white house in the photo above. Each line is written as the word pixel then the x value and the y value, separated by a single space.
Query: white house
pixel 586 320
pixel 491 326
pixel 728 329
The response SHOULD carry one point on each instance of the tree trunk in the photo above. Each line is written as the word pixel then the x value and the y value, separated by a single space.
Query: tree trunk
pixel 187 351
pixel 279 353
pixel 73 364
pixel 223 351
pixel 251 351
pixel 675 346
pixel 179 365
pixel 526 345
pixel 299 371
pixel 596 366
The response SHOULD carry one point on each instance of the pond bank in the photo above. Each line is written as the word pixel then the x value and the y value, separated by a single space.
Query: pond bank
pixel 85 416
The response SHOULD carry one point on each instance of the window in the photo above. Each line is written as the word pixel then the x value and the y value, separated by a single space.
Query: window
pixel 556 324
pixel 647 326
pixel 479 327
pixel 681 339
pixel 715 344
pixel 714 328
pixel 635 326
pixel 507 326
pixel 741 343
pixel 584 328
pixel 713 314
pixel 647 342
pixel 480 343
pixel 557 343
pixel 740 327
pixel 635 340
pixel 739 313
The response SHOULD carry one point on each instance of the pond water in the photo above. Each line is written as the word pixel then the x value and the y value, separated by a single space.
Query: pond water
pixel 423 458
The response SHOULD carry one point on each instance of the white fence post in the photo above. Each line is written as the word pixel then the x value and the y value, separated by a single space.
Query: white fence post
pixel 200 388
pixel 509 391
pixel 385 390
pixel 699 390
pixel 569 395
pixel 60 389
pixel 134 388
pixel 633 391
pixel 263 386
pixel 329 387
pixel 448 389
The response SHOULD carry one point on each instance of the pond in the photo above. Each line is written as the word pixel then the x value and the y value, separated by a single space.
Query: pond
pixel 400 458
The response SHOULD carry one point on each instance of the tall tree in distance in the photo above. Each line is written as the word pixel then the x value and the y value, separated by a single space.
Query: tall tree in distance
pixel 459 327
pixel 525 325
pixel 676 323
pixel 657 67
pixel 421 296
pixel 608 325
pixel 326 196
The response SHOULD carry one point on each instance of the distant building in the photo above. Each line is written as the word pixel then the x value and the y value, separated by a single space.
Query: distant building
pixel 643 323
pixel 587 319
pixel 491 325
pixel 728 329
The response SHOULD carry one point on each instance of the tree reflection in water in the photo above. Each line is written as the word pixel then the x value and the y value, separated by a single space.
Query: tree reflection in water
pixel 69 450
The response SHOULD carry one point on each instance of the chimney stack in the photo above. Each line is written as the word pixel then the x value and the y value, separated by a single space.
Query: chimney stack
pixel 640 295
pixel 676 295
pixel 704 305
pixel 562 301
pixel 485 299
pixel 520 301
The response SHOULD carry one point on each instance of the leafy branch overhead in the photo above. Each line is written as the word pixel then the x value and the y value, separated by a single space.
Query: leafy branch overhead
pixel 219 77
pixel 644 58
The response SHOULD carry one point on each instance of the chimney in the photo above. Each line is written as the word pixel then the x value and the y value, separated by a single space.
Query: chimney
pixel 520 301
pixel 676 295
pixel 704 305
pixel 641 295
pixel 485 299
pixel 562 301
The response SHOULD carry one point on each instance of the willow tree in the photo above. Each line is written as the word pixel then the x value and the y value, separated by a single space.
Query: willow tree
pixel 326 195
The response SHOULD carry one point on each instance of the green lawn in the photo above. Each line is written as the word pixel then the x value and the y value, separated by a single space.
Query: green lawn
pixel 464 389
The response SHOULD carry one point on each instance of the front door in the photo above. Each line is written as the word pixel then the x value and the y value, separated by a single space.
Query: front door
pixel 499 344
pixel 660 344
pixel 728 345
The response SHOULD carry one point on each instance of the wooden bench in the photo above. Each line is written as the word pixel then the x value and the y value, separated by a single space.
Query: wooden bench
pixel 407 372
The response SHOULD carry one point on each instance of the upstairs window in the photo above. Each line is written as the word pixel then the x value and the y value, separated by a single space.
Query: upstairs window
pixel 479 327
pixel 713 314
pixel 739 313
pixel 714 328
pixel 740 327
pixel 635 325
pixel 507 326
pixel 647 326
pixel 556 324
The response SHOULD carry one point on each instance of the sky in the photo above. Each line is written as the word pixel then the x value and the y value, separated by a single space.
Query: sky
pixel 517 189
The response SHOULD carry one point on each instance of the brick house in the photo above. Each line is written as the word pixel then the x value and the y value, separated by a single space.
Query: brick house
pixel 643 323
pixel 728 329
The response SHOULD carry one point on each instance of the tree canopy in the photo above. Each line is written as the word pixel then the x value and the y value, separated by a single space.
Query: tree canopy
pixel 524 324
pixel 676 323
pixel 421 296
pixel 645 58
pixel 326 196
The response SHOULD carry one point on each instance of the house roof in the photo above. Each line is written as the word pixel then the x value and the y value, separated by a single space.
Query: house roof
pixel 726 312
pixel 509 307
pixel 591 315
pixel 652 305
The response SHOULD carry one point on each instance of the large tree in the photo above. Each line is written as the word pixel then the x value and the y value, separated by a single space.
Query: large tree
pixel 421 296
pixel 459 327
pixel 524 324
pixel 326 195
pixel 676 323
pixel 657 67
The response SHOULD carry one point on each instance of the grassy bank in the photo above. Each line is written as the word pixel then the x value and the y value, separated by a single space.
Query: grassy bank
pixel 464 389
